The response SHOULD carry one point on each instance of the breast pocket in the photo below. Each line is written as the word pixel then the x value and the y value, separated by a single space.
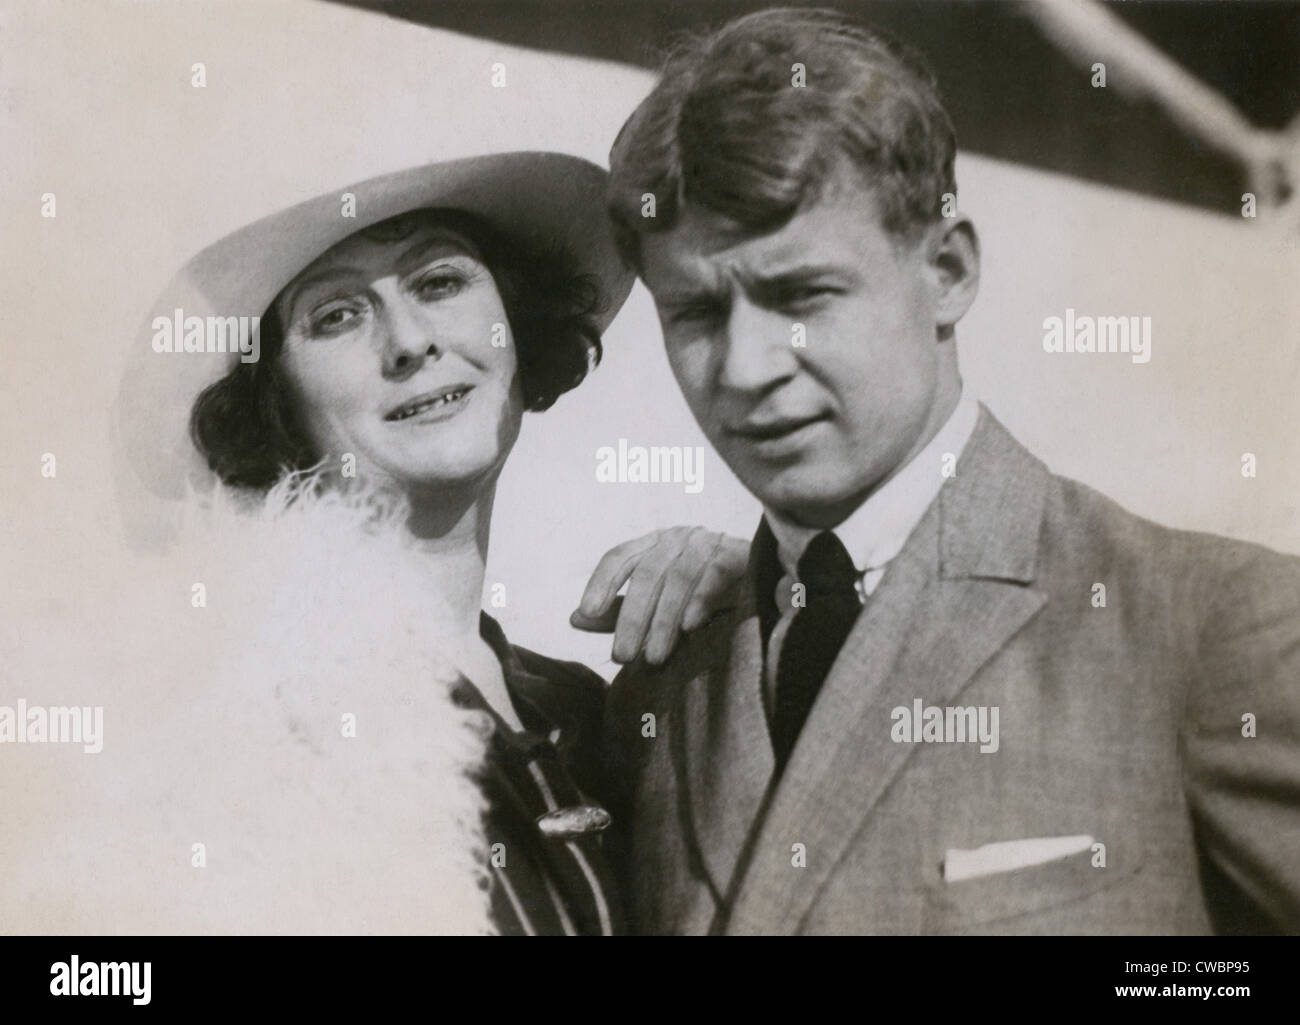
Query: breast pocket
pixel 1001 895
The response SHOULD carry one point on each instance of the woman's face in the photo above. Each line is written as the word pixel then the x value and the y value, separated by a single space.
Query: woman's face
pixel 399 352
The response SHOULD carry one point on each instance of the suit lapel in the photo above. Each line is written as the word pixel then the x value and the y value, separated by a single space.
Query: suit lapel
pixel 949 601
pixel 728 754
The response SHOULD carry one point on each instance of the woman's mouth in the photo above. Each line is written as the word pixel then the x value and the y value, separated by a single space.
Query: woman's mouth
pixel 436 405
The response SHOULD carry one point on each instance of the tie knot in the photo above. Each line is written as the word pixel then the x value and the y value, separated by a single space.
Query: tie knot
pixel 825 568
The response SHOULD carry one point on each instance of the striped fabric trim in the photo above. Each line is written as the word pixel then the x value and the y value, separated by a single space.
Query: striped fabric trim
pixel 545 886
pixel 597 893
pixel 521 916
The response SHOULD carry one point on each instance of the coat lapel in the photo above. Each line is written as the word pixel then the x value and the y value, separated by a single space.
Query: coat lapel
pixel 728 755
pixel 950 600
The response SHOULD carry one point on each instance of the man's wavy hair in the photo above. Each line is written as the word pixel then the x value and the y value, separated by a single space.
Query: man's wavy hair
pixel 247 426
pixel 730 128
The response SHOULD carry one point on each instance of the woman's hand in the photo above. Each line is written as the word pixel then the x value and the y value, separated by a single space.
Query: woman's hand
pixel 676 580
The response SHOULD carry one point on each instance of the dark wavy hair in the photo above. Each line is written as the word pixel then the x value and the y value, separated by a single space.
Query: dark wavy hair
pixel 247 426
pixel 727 129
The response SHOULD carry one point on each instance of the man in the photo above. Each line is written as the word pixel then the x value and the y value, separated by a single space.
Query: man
pixel 921 718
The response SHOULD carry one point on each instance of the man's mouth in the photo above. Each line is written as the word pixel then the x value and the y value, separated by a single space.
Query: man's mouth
pixel 430 402
pixel 771 429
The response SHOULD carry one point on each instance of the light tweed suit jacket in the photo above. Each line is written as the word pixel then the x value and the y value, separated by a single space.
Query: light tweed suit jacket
pixel 1121 726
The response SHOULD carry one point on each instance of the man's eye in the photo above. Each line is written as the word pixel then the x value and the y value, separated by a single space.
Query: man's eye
pixel 802 294
pixel 440 285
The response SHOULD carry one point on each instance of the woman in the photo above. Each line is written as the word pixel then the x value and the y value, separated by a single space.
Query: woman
pixel 396 357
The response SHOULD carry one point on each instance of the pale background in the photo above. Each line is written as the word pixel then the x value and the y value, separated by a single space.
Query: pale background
pixel 96 106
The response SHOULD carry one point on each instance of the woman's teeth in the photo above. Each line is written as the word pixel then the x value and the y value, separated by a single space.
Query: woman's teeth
pixel 419 407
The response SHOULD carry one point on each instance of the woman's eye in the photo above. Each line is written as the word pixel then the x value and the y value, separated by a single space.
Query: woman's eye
pixel 439 285
pixel 333 319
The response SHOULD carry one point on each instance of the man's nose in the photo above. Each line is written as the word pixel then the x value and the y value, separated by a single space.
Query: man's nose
pixel 758 349
pixel 409 338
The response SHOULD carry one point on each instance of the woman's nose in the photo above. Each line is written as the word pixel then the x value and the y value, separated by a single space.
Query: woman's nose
pixel 408 339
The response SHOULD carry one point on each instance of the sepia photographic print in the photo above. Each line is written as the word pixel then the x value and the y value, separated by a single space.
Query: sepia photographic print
pixel 650 468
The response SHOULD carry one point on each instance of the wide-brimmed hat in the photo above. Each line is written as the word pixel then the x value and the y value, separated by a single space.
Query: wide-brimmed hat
pixel 443 122
pixel 546 202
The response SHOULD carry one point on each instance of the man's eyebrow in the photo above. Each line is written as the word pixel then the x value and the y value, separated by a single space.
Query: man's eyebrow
pixel 799 272
pixel 698 296
pixel 769 286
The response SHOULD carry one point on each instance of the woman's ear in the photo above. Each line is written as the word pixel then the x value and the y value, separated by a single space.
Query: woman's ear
pixel 954 258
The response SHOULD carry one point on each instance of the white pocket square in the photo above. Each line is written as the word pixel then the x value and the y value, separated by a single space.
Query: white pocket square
pixel 1009 855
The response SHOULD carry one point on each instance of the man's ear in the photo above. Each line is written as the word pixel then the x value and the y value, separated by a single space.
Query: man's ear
pixel 953 256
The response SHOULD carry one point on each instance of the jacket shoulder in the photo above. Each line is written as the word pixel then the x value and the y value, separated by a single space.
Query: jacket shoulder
pixel 697 652
pixel 1078 518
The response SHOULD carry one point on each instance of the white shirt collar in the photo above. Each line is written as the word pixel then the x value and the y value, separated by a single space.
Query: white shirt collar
pixel 877 530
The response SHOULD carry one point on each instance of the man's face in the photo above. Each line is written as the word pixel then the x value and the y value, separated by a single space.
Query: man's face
pixel 808 355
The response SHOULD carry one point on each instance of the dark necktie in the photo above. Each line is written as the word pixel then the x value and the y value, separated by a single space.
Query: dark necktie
pixel 814 637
